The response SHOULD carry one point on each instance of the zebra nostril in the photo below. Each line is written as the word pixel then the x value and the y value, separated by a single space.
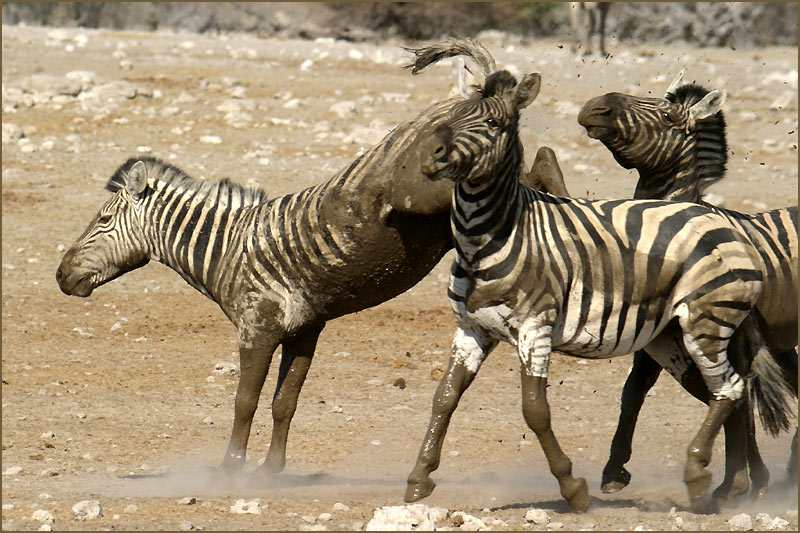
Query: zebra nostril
pixel 59 275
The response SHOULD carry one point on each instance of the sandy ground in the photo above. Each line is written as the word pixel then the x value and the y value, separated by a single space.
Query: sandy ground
pixel 114 398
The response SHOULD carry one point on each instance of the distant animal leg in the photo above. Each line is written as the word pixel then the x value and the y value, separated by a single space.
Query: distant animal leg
pixel 537 415
pixel 643 376
pixel 254 361
pixel 295 362
pixel 469 351
pixel 545 174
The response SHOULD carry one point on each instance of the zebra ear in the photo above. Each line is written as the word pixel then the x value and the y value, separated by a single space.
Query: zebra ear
pixel 136 179
pixel 526 91
pixel 709 105
pixel 675 84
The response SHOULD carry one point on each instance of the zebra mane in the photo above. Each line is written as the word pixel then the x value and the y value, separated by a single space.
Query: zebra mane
pixel 712 147
pixel 497 83
pixel 176 177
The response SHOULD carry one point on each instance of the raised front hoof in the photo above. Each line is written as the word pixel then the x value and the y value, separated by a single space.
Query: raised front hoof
pixel 576 492
pixel 614 480
pixel 419 490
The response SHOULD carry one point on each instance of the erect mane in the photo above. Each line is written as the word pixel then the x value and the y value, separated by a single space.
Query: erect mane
pixel 497 83
pixel 178 178
pixel 712 148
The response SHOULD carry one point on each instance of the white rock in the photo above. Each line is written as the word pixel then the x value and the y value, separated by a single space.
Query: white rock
pixel 186 525
pixel 307 64
pixel 344 109
pixel 187 501
pixel 144 149
pixel 439 514
pixel 741 522
pixel 51 85
pixel 355 54
pixel 294 103
pixel 555 525
pixel 326 517
pixel 87 510
pixel 131 508
pixel 8 506
pixel 210 139
pixel 12 471
pixel 416 517
pixel 340 507
pixel 12 132
pixel 537 516
pixel 770 523
pixel 244 507
pixel 375 442
pixel 467 522
pixel 45 527
pixel 42 515
pixel 226 368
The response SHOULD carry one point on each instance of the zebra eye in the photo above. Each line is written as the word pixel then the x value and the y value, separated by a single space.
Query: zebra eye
pixel 666 116
pixel 492 123
pixel 104 219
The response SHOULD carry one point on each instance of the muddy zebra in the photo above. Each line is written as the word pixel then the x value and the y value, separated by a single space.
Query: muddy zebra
pixel 587 20
pixel 593 279
pixel 279 268
pixel 678 145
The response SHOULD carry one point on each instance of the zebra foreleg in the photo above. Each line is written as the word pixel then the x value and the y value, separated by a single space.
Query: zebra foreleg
pixel 537 415
pixel 295 362
pixel 254 361
pixel 469 351
pixel 643 376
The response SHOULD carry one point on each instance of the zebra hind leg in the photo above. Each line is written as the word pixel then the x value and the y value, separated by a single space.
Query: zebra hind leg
pixel 295 362
pixel 736 456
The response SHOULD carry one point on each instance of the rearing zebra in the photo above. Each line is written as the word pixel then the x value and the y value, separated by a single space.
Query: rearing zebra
pixel 592 279
pixel 677 143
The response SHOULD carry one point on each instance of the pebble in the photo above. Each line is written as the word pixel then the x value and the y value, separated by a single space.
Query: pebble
pixel 340 507
pixel 244 507
pixel 326 517
pixel 538 517
pixel 741 522
pixel 12 132
pixel 226 368
pixel 87 510
pixel 770 523
pixel 187 501
pixel 186 525
pixel 306 65
pixel 344 109
pixel 42 515
pixel 13 471
pixel 210 139
pixel 131 508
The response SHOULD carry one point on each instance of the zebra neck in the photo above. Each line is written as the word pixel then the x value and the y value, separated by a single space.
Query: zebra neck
pixel 190 230
pixel 701 164
pixel 483 215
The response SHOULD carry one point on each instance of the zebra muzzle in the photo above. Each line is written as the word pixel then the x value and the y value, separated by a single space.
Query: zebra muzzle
pixel 435 152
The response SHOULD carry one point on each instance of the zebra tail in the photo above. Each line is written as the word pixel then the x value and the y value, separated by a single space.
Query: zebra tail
pixel 773 389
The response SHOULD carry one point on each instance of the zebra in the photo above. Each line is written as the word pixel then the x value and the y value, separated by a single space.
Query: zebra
pixel 279 268
pixel 588 19
pixel 593 279
pixel 678 145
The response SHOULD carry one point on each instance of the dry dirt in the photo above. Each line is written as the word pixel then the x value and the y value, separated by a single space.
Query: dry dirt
pixel 112 398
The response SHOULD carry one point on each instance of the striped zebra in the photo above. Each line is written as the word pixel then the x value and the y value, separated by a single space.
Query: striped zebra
pixel 279 268
pixel 593 279
pixel 678 145
pixel 588 19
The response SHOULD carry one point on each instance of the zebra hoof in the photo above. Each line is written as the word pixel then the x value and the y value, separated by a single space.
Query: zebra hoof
pixel 577 495
pixel 614 480
pixel 419 490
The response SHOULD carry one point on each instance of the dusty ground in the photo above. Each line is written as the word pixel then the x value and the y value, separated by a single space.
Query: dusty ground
pixel 114 398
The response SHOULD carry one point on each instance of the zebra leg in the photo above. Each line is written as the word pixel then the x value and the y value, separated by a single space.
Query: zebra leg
pixel 470 349
pixel 736 454
pixel 698 456
pixel 759 474
pixel 545 174
pixel 295 362
pixel 254 361
pixel 537 415
pixel 643 376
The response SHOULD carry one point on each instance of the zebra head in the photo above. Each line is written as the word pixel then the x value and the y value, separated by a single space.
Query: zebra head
pixel 474 141
pixel 653 135
pixel 114 242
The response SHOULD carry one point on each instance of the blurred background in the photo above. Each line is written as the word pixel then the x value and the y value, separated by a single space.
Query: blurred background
pixel 692 23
